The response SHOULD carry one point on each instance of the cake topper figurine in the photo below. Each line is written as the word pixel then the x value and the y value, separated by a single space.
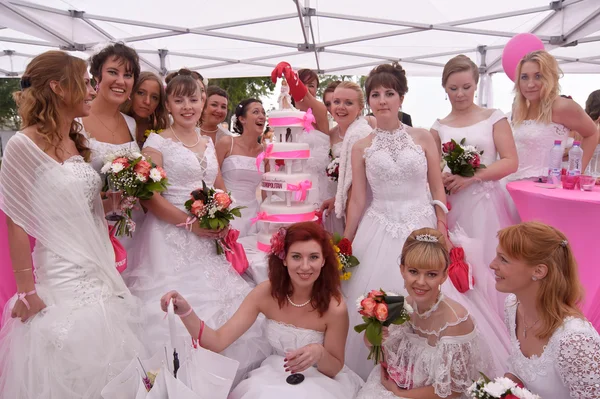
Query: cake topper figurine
pixel 285 100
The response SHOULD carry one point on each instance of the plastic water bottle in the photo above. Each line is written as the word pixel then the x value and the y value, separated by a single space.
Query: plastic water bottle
pixel 555 163
pixel 575 159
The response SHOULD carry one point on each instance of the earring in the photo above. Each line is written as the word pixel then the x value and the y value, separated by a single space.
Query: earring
pixel 534 278
pixel 440 288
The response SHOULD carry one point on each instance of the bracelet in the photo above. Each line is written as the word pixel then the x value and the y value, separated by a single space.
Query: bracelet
pixel 186 314
pixel 442 206
pixel 21 297
pixel 200 332
pixel 22 270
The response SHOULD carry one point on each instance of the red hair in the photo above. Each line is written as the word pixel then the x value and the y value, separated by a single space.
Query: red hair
pixel 326 286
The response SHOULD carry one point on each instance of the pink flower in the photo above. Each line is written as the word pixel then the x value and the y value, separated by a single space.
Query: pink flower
pixel 375 293
pixel 163 174
pixel 122 161
pixel 381 311
pixel 475 161
pixel 222 200
pixel 197 208
pixel 143 168
pixel 278 243
pixel 448 147
pixel 368 307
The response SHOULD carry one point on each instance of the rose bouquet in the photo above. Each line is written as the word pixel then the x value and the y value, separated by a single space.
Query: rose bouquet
pixel 212 209
pixel 343 250
pixel 138 178
pixel 333 169
pixel 501 387
pixel 380 309
pixel 462 159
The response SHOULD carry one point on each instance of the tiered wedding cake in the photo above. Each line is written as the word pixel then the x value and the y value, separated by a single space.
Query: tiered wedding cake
pixel 286 191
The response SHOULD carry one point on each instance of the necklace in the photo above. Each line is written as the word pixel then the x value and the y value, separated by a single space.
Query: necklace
pixel 525 326
pixel 295 304
pixel 184 144
pixel 107 128
pixel 428 313
pixel 209 131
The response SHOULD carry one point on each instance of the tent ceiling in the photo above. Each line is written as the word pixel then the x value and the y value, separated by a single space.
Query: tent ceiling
pixel 234 38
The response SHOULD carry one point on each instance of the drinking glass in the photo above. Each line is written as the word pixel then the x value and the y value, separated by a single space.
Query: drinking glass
pixel 289 344
pixel 569 182
pixel 586 183
pixel 115 214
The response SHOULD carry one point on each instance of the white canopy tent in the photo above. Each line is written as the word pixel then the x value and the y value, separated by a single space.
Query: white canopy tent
pixel 235 38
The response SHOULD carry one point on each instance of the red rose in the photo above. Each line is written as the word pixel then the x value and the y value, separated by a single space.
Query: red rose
pixel 510 396
pixel 345 246
pixel 222 200
pixel 143 168
pixel 475 161
pixel 448 147
pixel 374 293
pixel 368 305
pixel 279 163
pixel 197 208
pixel 381 311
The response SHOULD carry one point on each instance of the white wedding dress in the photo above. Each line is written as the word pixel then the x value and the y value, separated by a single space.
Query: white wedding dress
pixel 396 170
pixel 331 222
pixel 89 324
pixel 269 381
pixel 569 366
pixel 173 258
pixel 316 165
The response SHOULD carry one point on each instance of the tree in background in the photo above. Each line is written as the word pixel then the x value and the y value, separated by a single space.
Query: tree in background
pixel 324 80
pixel 9 118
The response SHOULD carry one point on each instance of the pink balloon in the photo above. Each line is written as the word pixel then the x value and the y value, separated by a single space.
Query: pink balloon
pixel 517 48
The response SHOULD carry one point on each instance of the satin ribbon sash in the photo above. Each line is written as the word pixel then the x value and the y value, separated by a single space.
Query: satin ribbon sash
pixel 269 153
pixel 300 217
pixel 307 121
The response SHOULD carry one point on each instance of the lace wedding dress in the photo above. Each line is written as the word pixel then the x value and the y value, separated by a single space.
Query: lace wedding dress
pixel 87 327
pixel 569 366
pixel 172 258
pixel 426 355
pixel 269 381
pixel 396 170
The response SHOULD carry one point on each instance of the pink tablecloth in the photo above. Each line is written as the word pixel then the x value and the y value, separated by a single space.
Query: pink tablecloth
pixel 577 214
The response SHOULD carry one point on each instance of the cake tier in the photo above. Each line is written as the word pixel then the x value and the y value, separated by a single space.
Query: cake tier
pixel 287 151
pixel 264 242
pixel 287 118
pixel 279 181
pixel 281 213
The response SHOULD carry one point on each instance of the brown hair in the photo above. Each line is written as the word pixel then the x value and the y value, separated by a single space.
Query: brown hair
pixel 159 120
pixel 119 51
pixel 331 87
pixel 307 76
pixel 592 105
pixel 40 106
pixel 353 86
pixel 425 255
pixel 213 91
pixel 560 292
pixel 390 76
pixel 328 284
pixel 242 110
pixel 550 73
pixel 460 63
pixel 183 83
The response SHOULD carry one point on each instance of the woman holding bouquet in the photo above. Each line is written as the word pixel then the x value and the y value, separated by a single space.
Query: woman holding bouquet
pixel 75 316
pixel 555 351
pixel 174 253
pixel 307 321
pixel 401 167
pixel 439 352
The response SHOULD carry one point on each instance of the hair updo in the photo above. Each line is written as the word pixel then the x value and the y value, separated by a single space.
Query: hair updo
pixel 120 52
pixel 182 83
pixel 240 111
pixel 460 63
pixel 391 76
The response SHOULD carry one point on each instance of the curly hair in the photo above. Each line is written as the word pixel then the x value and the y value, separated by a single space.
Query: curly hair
pixel 327 285
pixel 159 120
pixel 118 51
pixel 40 106
pixel 242 110
pixel 391 76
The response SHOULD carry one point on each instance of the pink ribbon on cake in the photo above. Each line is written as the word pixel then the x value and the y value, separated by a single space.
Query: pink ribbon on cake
pixel 300 189
pixel 269 153
pixel 263 247
pixel 307 121
pixel 299 217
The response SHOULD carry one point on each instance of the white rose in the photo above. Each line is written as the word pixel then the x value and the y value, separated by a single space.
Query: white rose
pixel 155 175
pixel 141 177
pixel 507 383
pixel 524 393
pixel 495 389
pixel 116 167
pixel 409 309
pixel 358 301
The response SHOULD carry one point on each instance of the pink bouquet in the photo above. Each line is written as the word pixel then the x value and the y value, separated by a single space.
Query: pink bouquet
pixel 462 159
pixel 380 309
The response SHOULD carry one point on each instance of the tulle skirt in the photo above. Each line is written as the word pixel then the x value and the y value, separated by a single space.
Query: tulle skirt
pixel 68 350
pixel 269 382
pixel 172 258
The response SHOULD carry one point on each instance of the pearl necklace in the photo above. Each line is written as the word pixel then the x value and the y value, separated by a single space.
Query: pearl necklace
pixel 184 144
pixel 295 304
pixel 428 313
pixel 209 131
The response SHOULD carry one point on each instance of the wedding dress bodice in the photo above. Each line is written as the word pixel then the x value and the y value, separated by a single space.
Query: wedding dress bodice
pixel 534 141
pixel 241 177
pixel 336 149
pixel 569 366
pixel 185 169
pixel 396 170
pixel 283 336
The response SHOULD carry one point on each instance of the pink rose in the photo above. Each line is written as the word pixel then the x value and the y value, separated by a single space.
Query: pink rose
pixel 197 208
pixel 122 161
pixel 475 161
pixel 381 311
pixel 368 307
pixel 143 168
pixel 278 243
pixel 448 147
pixel 222 200
pixel 374 293
pixel 163 174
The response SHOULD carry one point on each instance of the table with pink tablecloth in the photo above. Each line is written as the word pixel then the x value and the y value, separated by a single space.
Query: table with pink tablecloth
pixel 577 214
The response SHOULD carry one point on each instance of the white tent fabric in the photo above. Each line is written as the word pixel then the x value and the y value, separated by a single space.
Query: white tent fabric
pixel 236 38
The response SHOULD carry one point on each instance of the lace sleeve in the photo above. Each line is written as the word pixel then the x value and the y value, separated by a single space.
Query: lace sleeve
pixel 578 364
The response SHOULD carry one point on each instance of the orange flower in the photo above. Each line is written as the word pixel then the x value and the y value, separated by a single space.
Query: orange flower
pixel 222 200
pixel 381 311
pixel 368 307
pixel 143 168
pixel 197 208
pixel 375 293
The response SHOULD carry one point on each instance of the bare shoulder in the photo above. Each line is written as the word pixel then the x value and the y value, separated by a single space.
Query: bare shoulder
pixel 420 136
pixel 563 106
pixel 224 142
pixel 363 143
pixel 337 310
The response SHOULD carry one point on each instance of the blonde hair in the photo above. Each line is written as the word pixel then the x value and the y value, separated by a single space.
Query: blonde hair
pixel 353 86
pixel 460 63
pixel 560 290
pixel 40 106
pixel 550 73
pixel 425 255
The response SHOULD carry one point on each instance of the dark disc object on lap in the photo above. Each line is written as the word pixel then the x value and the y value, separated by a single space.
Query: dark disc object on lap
pixel 295 379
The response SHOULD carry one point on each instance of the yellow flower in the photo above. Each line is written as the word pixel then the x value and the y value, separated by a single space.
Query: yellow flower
pixel 337 249
pixel 346 276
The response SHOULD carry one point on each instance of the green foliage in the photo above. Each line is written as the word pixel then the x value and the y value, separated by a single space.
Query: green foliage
pixel 324 81
pixel 9 118
pixel 239 89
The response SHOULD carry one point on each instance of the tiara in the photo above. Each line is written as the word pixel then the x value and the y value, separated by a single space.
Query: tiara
pixel 427 238
pixel 564 243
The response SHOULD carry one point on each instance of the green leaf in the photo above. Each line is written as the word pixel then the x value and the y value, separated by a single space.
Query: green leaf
pixel 353 261
pixel 374 333
pixel 337 238
pixel 361 327
pixel 213 223
pixel 485 377
pixel 236 212
pixel 463 141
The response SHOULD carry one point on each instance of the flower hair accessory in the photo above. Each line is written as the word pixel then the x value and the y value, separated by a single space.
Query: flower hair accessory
pixel 278 243
pixel 427 238
pixel 564 243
